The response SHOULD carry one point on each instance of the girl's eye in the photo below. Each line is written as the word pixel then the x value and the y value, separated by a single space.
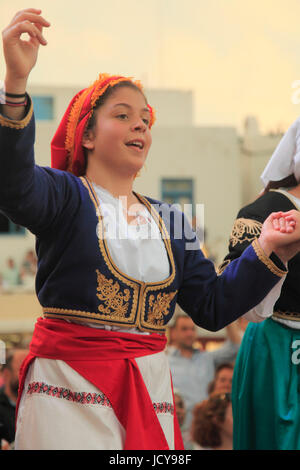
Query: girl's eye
pixel 122 116
pixel 146 121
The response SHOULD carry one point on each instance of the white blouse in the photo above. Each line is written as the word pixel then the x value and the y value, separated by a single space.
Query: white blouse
pixel 136 248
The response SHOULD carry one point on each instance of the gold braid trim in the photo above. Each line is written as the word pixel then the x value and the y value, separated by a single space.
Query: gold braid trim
pixel 72 125
pixel 220 269
pixel 83 316
pixel 266 260
pixel 13 124
pixel 105 252
pixel 167 242
pixel 293 316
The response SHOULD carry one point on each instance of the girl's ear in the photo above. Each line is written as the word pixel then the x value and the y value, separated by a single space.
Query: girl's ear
pixel 88 139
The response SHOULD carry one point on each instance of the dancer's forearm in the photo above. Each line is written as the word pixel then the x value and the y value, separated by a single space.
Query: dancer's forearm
pixel 16 87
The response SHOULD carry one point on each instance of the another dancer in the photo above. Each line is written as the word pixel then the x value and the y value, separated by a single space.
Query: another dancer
pixel 266 383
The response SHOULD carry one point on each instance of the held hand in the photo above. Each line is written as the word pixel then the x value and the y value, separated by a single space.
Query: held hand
pixel 281 234
pixel 285 224
pixel 21 55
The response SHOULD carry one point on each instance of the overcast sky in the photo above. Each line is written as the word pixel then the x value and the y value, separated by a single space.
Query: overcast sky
pixel 239 57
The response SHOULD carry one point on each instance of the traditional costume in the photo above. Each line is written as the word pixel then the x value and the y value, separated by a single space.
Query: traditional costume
pixel 266 382
pixel 97 376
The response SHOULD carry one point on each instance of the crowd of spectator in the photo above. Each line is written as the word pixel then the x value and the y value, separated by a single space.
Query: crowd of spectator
pixel 202 384
pixel 212 426
pixel 14 278
pixel 9 383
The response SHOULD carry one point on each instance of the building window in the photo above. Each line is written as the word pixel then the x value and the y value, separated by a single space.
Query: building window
pixel 43 107
pixel 179 191
pixel 9 228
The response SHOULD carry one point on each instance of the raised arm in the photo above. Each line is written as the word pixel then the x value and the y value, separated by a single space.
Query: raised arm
pixel 32 196
pixel 21 56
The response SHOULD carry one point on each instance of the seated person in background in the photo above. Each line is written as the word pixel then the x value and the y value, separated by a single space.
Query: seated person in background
pixel 28 270
pixel 212 425
pixel 11 274
pixel 2 284
pixel 179 406
pixel 222 382
pixel 29 264
pixel 193 369
pixel 9 393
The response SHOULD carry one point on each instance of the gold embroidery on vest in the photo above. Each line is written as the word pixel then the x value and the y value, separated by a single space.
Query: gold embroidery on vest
pixel 115 301
pixel 159 307
pixel 245 230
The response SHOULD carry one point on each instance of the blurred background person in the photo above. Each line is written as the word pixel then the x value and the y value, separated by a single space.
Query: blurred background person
pixel 212 426
pixel 29 264
pixel 181 416
pixel 9 393
pixel 193 369
pixel 11 275
pixel 179 406
pixel 222 382
pixel 28 271
pixel 2 284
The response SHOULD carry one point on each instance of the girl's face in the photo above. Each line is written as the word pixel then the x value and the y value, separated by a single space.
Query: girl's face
pixel 121 137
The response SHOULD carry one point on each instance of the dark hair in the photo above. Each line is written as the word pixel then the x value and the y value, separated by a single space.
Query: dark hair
pixel 287 182
pixel 207 415
pixel 224 365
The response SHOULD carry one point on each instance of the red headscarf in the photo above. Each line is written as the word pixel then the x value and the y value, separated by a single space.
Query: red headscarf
pixel 66 146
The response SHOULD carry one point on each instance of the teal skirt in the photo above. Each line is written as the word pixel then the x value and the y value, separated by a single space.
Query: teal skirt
pixel 266 389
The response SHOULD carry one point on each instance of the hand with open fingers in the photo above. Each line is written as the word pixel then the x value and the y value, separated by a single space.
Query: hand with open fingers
pixel 20 54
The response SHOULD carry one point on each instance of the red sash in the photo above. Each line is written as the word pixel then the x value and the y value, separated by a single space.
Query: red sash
pixel 107 360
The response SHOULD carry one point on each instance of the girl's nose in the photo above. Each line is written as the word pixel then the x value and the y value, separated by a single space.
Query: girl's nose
pixel 139 125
